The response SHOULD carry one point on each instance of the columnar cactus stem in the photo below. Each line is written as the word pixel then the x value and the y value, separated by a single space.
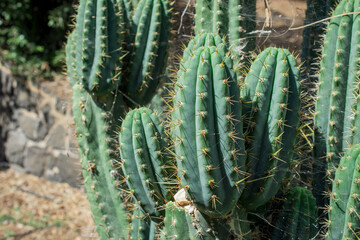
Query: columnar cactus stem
pixel 149 37
pixel 337 116
pixel 271 97
pixel 145 163
pixel 142 228
pixel 207 127
pixel 98 46
pixel 234 19
pixel 95 119
pixel 344 209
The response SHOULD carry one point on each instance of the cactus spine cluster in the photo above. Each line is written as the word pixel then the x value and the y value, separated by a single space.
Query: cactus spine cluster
pixel 228 141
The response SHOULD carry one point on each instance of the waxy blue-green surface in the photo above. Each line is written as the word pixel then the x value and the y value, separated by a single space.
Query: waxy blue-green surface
pixel 271 102
pixel 207 126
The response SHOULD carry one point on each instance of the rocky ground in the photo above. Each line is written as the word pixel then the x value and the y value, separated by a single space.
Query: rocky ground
pixel 34 208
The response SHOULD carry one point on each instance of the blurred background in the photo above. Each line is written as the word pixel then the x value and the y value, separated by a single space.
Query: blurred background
pixel 41 194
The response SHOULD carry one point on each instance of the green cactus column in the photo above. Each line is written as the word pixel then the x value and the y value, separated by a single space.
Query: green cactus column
pixel 234 19
pixel 207 127
pixel 142 228
pixel 145 163
pixel 148 49
pixel 96 46
pixel 298 218
pixel 93 58
pixel 271 101
pixel 344 209
pixel 336 115
pixel 95 119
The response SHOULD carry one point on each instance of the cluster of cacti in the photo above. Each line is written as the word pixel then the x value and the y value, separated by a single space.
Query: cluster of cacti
pixel 227 144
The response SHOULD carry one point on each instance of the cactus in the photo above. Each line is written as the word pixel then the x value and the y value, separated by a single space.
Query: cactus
pixel 149 37
pixel 95 120
pixel 188 223
pixel 316 10
pixel 234 19
pixel 336 107
pixel 271 98
pixel 96 46
pixel 207 128
pixel 225 137
pixel 142 228
pixel 344 221
pixel 179 225
pixel 297 220
pixel 145 164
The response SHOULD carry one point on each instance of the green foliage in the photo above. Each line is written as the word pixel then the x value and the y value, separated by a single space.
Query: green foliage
pixel 33 32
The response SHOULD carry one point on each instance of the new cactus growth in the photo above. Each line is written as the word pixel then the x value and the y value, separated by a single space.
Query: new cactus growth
pixel 344 209
pixel 297 220
pixel 145 164
pixel 337 106
pixel 271 98
pixel 207 128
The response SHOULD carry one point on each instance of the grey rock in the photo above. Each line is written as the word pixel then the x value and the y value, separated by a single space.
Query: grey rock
pixel 64 169
pixel 53 174
pixel 17 168
pixel 33 127
pixel 48 117
pixel 56 138
pixel 35 160
pixel 23 99
pixel 15 146
pixel 61 105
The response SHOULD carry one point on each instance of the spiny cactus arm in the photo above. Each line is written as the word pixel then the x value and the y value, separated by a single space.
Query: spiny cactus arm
pixel 150 32
pixel 231 19
pixel 242 21
pixel 142 143
pixel 142 228
pixel 98 42
pixel 339 77
pixel 214 180
pixel 316 10
pixel 93 129
pixel 351 124
pixel 344 222
pixel 271 131
pixel 70 57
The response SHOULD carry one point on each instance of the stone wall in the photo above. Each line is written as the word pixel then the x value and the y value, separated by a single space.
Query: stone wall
pixel 37 134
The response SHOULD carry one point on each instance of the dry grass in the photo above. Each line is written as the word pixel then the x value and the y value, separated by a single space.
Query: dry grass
pixel 34 208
